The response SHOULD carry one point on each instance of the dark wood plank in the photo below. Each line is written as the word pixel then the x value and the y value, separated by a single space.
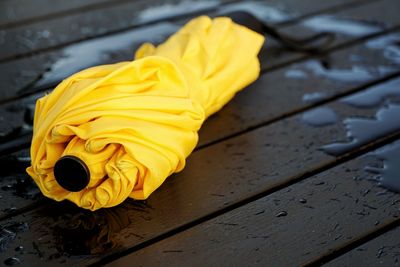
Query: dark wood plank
pixel 17 12
pixel 21 76
pixel 381 251
pixel 249 166
pixel 89 23
pixel 290 227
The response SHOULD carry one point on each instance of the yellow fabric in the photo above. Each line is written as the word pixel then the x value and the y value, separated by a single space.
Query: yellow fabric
pixel 134 123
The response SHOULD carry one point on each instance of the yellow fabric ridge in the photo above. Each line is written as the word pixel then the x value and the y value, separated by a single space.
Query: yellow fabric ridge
pixel 134 123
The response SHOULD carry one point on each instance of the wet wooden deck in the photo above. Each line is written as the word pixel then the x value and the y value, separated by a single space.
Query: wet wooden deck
pixel 295 171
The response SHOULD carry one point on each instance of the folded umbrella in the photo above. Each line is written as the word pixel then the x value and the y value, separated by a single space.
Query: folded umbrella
pixel 116 131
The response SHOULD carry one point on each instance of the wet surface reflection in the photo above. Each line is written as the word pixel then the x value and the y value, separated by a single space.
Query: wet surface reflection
pixel 344 26
pixel 61 232
pixel 78 232
pixel 374 95
pixel 9 232
pixel 108 49
pixel 389 175
pixel 89 233
pixel 389 44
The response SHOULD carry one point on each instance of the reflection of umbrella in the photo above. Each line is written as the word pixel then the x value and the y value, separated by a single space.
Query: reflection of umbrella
pixel 122 129
pixel 82 232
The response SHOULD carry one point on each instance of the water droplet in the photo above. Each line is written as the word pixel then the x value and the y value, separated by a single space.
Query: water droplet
pixel 374 95
pixel 12 261
pixel 303 200
pixel 44 34
pixel 361 131
pixel 281 214
pixel 320 116
pixel 296 74
pixel 7 187
pixel 314 97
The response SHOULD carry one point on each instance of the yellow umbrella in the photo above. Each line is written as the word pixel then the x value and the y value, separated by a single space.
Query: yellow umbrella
pixel 116 131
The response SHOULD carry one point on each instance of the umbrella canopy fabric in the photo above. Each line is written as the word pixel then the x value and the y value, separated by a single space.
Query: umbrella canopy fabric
pixel 134 123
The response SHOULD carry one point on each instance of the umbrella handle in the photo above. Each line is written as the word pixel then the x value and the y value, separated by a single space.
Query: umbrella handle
pixel 71 173
pixel 307 44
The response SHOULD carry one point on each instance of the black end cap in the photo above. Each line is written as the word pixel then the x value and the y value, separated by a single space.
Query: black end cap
pixel 71 173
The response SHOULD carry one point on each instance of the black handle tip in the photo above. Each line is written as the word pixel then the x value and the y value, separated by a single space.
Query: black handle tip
pixel 71 173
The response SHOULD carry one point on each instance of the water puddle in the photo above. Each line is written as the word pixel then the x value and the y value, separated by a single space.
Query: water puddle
pixel 296 74
pixel 374 95
pixel 390 44
pixel 344 26
pixel 322 116
pixel 389 175
pixel 361 131
pixel 103 50
pixel 165 11
pixel 355 74
pixel 318 68
pixel 261 10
